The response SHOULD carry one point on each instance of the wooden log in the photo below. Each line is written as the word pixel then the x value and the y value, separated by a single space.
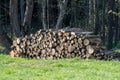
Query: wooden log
pixel 56 45
pixel 71 48
pixel 86 42
pixel 80 40
pixel 18 40
pixel 53 51
pixel 13 54
pixel 90 49
pixel 95 41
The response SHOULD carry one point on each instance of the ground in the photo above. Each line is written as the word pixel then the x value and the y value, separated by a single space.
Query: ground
pixel 63 69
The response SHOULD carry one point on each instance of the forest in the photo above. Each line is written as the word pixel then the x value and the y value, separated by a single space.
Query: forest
pixel 59 39
pixel 23 17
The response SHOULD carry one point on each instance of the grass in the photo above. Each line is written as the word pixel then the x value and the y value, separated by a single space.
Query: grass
pixel 63 69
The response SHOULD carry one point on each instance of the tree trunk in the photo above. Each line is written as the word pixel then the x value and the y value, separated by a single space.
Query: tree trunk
pixel 21 10
pixel 110 24
pixel 48 14
pixel 94 2
pixel 97 27
pixel 62 12
pixel 75 14
pixel 119 19
pixel 91 14
pixel 103 21
pixel 14 17
pixel 28 16
pixel 116 24
pixel 44 22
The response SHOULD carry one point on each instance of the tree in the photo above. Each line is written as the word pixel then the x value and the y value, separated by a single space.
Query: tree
pixel 62 11
pixel 110 23
pixel 14 21
pixel 4 38
pixel 48 24
pixel 92 9
pixel 116 23
pixel 103 21
pixel 26 25
pixel 73 13
pixel 44 21
pixel 97 27
pixel 22 10
pixel 58 14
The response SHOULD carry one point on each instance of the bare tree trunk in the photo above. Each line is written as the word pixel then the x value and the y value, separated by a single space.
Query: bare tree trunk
pixel 119 20
pixel 103 21
pixel 110 24
pixel 91 13
pixel 62 11
pixel 116 24
pixel 48 24
pixel 14 17
pixel 75 14
pixel 94 2
pixel 44 22
pixel 97 26
pixel 21 10
pixel 28 16
pixel 72 13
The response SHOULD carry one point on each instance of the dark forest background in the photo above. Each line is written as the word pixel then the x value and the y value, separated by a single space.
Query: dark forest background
pixel 22 17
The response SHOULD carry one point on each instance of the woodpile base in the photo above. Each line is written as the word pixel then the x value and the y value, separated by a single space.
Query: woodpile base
pixel 59 44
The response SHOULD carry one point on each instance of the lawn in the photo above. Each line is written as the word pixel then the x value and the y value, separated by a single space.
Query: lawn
pixel 63 69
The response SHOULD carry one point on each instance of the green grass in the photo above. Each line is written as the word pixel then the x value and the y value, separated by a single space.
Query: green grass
pixel 63 69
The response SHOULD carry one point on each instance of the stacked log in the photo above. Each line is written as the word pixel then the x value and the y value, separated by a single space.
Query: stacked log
pixel 55 45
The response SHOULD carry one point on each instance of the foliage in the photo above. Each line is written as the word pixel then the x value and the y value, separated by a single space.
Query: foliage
pixel 115 13
pixel 63 69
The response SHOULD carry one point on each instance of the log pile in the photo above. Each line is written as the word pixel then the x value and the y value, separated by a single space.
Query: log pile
pixel 55 45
